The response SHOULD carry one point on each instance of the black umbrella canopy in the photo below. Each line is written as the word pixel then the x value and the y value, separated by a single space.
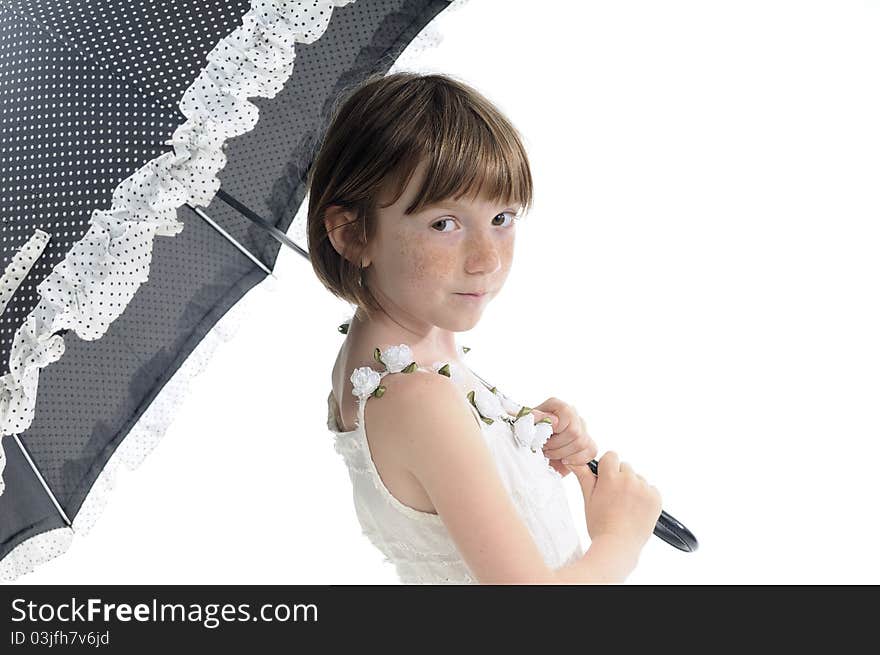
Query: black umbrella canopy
pixel 119 122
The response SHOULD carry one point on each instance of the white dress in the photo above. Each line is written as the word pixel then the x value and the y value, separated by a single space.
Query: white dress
pixel 417 542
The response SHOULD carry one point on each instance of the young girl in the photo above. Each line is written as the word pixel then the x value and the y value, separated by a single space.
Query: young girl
pixel 414 198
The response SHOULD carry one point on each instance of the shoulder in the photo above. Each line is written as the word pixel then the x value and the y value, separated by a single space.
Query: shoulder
pixel 421 415
pixel 409 398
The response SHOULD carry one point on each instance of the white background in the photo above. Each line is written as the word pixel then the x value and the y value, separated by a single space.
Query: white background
pixel 698 276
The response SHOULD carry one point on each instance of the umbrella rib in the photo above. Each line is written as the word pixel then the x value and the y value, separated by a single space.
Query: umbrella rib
pixel 229 237
pixel 246 211
pixel 42 481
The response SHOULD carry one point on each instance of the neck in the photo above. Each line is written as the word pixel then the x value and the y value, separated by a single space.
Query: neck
pixel 427 341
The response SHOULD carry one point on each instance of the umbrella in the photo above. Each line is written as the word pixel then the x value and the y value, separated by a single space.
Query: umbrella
pixel 117 127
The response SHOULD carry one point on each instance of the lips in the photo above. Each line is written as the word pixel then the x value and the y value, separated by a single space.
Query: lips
pixel 476 294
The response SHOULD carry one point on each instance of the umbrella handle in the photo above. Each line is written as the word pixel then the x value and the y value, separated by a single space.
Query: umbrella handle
pixel 668 528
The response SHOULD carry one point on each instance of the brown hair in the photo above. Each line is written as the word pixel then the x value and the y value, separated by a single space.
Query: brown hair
pixel 378 134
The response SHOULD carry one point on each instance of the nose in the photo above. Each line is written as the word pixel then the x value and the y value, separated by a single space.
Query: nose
pixel 482 255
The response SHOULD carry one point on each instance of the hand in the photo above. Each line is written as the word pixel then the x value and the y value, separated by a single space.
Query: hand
pixel 569 439
pixel 619 503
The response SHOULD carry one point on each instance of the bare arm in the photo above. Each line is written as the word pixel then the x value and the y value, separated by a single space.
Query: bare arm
pixel 427 421
pixel 607 560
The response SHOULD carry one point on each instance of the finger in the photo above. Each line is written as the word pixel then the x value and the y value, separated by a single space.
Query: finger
pixel 569 439
pixel 563 437
pixel 585 477
pixel 552 404
pixel 580 457
pixel 586 446
pixel 560 409
pixel 562 444
pixel 609 464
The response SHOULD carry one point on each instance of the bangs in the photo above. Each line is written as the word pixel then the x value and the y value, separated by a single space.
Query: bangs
pixel 467 156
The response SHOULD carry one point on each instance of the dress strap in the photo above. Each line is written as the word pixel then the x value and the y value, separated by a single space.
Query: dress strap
pixel 488 404
pixel 367 380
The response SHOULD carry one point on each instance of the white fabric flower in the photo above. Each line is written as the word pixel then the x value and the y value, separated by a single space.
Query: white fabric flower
pixel 397 358
pixel 365 380
pixel 512 407
pixel 530 434
pixel 543 431
pixel 487 403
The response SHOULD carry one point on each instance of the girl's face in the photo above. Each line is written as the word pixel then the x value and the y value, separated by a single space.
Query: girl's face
pixel 422 264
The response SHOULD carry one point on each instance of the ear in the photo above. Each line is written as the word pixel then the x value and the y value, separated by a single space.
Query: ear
pixel 345 233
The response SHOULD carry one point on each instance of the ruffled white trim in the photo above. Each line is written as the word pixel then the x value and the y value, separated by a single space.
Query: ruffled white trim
pixel 46 347
pixel 140 441
pixel 20 265
pixel 113 258
pixel 16 270
pixel 144 205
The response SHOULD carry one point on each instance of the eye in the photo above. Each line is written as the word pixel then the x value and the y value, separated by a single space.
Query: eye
pixel 440 222
pixel 509 224
pixel 515 217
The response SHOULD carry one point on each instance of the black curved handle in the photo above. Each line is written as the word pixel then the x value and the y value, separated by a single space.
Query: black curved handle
pixel 668 528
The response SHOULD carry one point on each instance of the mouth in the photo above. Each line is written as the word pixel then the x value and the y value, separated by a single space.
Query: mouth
pixel 478 294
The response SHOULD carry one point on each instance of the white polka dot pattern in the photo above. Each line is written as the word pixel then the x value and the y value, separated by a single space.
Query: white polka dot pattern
pixel 140 69
pixel 101 273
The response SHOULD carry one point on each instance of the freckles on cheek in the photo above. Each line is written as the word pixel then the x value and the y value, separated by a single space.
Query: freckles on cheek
pixel 425 265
